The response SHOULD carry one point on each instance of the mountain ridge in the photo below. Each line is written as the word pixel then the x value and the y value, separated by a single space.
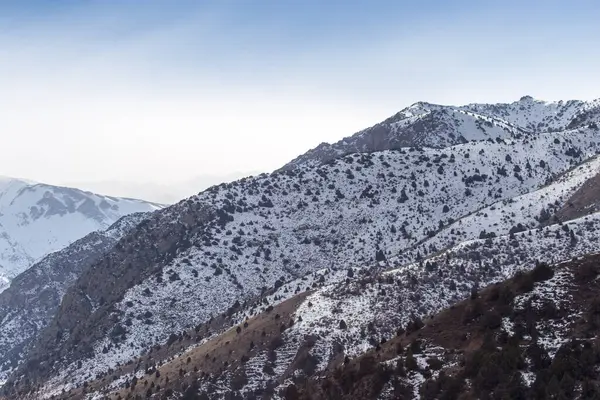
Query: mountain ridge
pixel 441 132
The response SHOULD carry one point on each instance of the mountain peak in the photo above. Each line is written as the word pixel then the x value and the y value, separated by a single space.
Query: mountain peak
pixel 419 104
pixel 424 124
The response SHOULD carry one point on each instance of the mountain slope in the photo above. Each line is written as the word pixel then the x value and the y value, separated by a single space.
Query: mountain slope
pixel 36 219
pixel 586 200
pixel 349 317
pixel 28 305
pixel 194 259
pixel 279 353
pixel 533 336
pixel 536 115
pixel 531 210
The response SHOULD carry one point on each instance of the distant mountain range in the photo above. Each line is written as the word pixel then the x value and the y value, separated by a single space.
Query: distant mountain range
pixel 36 219
pixel 319 279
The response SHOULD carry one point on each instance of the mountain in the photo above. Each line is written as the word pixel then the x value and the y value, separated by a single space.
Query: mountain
pixel 430 125
pixel 36 219
pixel 268 281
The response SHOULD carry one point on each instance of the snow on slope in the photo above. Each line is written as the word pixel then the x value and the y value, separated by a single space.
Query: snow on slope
pixel 36 219
pixel 551 327
pixel 354 313
pixel 518 213
pixel 533 114
pixel 286 225
pixel 373 307
pixel 421 125
pixel 33 297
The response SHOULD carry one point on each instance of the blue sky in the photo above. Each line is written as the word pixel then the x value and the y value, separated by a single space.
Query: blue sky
pixel 166 90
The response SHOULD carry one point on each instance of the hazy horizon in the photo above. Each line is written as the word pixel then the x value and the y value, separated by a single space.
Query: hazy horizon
pixel 164 193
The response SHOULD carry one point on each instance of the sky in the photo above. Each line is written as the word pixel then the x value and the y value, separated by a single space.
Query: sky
pixel 162 92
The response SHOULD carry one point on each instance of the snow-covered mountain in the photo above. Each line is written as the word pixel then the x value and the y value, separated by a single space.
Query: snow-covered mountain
pixel 36 219
pixel 391 224
pixel 537 115
pixel 431 125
